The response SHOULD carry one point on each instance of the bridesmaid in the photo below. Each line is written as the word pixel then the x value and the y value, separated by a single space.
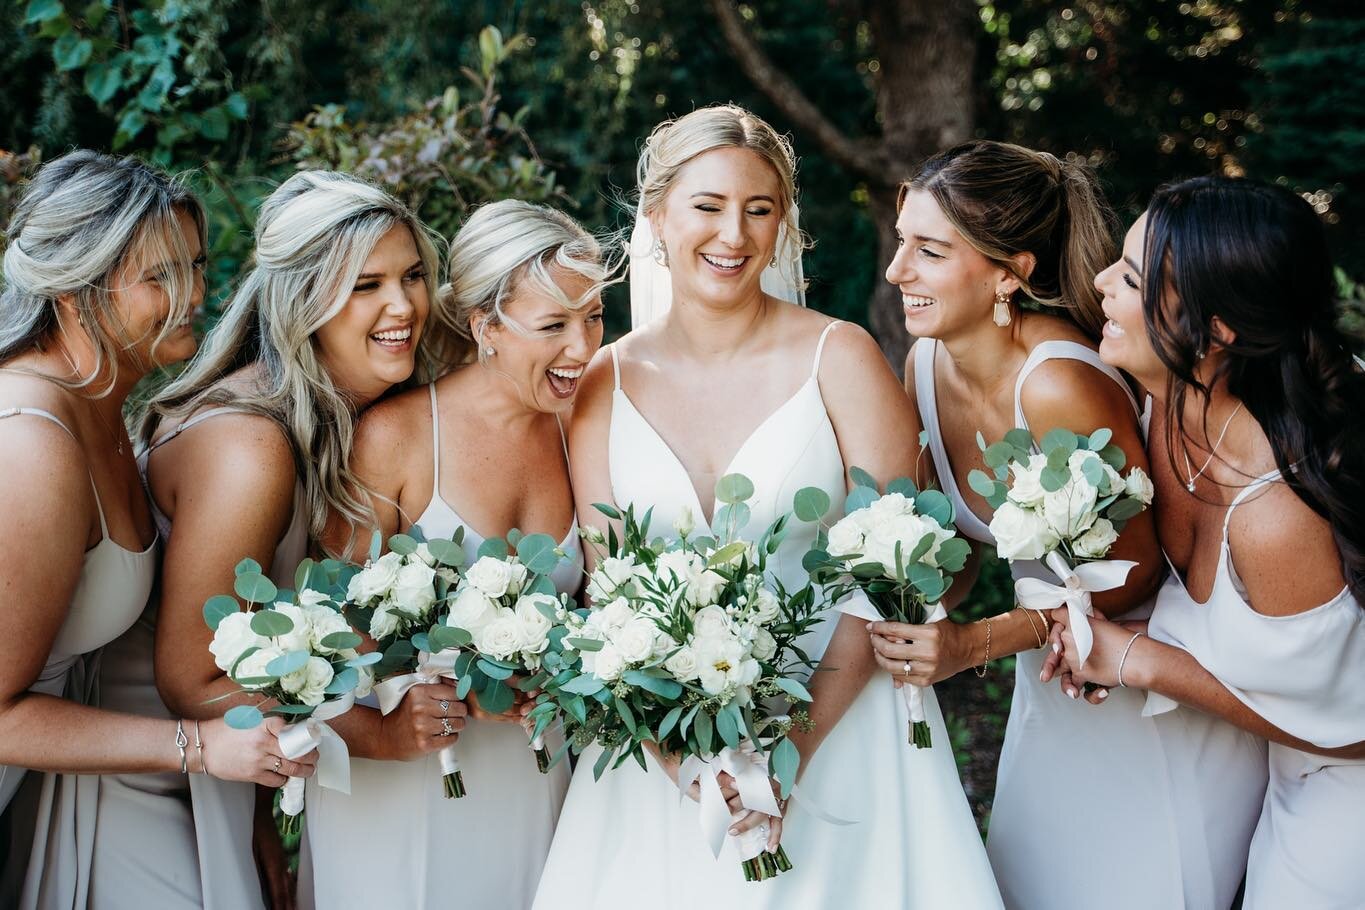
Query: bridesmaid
pixel 483 449
pixel 103 270
pixel 984 227
pixel 1223 306
pixel 245 456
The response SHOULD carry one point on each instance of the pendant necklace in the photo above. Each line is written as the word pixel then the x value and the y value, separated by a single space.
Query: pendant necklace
pixel 1189 468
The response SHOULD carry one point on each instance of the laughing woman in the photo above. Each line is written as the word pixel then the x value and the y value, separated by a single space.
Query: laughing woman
pixel 1223 306
pixel 480 449
pixel 102 273
pixel 245 458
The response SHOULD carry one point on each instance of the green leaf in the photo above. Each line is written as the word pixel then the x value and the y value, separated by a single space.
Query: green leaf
pixel 243 717
pixel 497 697
pixel 539 553
pixel 1099 439
pixel 904 486
pixel 236 106
pixel 402 544
pixel 727 553
pixel 587 684
pixel 1114 457
pixel 584 644
pixel 217 608
pixel 981 482
pixel 704 727
pixel 343 682
pixel 1124 509
pixel 859 498
pixel 811 503
pixel 627 715
pixel 728 723
pixel 785 760
pixel 255 588
pixel 734 488
pixel 463 686
pixel 1059 438
pixel 247 566
pixel 495 547
pixel 998 454
pixel 669 722
pixel 793 688
pixel 935 505
pixel 376 546
pixel 368 659
pixel 42 10
pixel 271 623
pixel 609 511
pixel 952 554
pixel 102 81
pixel 600 766
pixel 1053 479
pixel 287 663
pixel 71 51
pixel 490 48
pixel 446 552
pixel 1092 469
pixel 861 478
pixel 338 641
pixel 927 580
pixel 492 670
pixel 731 519
pixel 441 637
pixel 980 441
pixel 1020 439
pixel 213 124
pixel 662 687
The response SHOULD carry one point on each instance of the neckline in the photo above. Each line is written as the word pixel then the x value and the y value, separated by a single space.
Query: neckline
pixel 437 499
pixel 107 539
pixel 743 446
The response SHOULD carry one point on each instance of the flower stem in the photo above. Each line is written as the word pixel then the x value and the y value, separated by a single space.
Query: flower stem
pixel 542 760
pixel 920 736
pixel 454 785
pixel 766 865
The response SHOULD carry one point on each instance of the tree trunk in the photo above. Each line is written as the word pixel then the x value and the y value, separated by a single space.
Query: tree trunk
pixel 925 50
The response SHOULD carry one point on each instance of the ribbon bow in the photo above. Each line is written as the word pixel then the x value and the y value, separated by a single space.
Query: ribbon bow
pixel 430 668
pixel 749 768
pixel 334 759
pixel 1077 585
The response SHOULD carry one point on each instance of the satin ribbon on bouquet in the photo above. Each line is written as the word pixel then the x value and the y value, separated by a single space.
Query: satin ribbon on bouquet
pixel 1077 585
pixel 334 759
pixel 914 695
pixel 431 668
pixel 749 768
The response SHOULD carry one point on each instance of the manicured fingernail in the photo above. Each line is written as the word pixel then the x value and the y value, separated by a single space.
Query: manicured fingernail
pixel 771 849
pixel 1071 693
pixel 869 627
pixel 1103 694
pixel 1042 676
pixel 1056 647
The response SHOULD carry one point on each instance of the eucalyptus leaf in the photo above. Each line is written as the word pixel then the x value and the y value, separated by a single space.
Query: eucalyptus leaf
pixel 861 478
pixel 495 547
pixel 952 554
pixel 539 553
pixel 1124 509
pixel 446 552
pixel 728 723
pixel 402 544
pixel 660 686
pixel 1059 438
pixel 904 486
pixel 1053 479
pixel 811 503
pixel 441 637
pixel 733 488
pixel 584 644
pixel 497 697
pixel 271 623
pixel 287 663
pixel 1099 439
pixel 217 608
pixel 367 659
pixel 343 682
pixel 793 688
pixel 998 454
pixel 859 498
pixel 785 760
pixel 669 722
pixel 243 717
pixel 704 728
pixel 247 567
pixel 376 545
pixel 936 506
pixel 627 715
pixel 1020 439
pixel 583 685
pixel 1114 457
pixel 254 587
pixel 492 670
pixel 338 641
pixel 981 483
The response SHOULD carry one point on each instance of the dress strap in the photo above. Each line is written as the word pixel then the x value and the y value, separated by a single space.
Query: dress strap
pixel 820 347
pixel 615 366
pixel 435 443
pixel 196 419
pixel 48 415
pixel 1059 349
pixel 563 440
pixel 1255 484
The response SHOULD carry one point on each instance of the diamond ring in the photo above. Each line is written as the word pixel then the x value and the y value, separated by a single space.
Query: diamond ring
pixel 908 668
pixel 446 728
pixel 277 764
pixel 445 706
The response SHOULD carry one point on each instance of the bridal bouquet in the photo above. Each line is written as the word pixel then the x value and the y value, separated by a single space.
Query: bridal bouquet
pixel 397 597
pixel 689 646
pixel 899 548
pixel 1064 504
pixel 502 613
pixel 299 651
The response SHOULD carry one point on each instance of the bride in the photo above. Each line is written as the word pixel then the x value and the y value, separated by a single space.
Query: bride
pixel 734 378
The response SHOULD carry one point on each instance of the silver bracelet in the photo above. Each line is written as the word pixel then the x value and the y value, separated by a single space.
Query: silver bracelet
pixel 181 741
pixel 199 746
pixel 1126 649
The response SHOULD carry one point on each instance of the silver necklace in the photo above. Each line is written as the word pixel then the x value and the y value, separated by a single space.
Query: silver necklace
pixel 116 438
pixel 1189 468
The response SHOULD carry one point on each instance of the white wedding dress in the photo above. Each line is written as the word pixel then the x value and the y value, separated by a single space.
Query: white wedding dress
pixel 632 840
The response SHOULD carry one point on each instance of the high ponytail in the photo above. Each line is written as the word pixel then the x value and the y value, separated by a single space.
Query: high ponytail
pixel 1255 257
pixel 1006 199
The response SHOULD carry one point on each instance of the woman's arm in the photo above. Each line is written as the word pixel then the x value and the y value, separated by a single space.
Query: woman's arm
pixel 589 458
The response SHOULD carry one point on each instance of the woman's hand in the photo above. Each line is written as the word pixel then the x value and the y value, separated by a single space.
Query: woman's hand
pixel 742 819
pixel 934 651
pixel 252 756
pixel 430 717
pixel 1101 670
pixel 512 715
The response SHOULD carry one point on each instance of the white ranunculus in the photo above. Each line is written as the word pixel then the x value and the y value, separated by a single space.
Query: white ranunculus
pixel 383 621
pixel 607 663
pixel 1139 486
pixel 765 646
pixel 308 682
pixel 1021 533
pixel 490 575
pixel 254 666
pixel 846 537
pixel 682 664
pixel 300 637
pixel 635 640
pixel 1095 543
pixel 471 610
pixel 711 622
pixel 1027 488
pixel 501 638
pixel 232 637
pixel 719 660
pixel 1070 511
pixel 374 580
pixel 414 588
pixel 535 625
pixel 765 605
pixel 324 621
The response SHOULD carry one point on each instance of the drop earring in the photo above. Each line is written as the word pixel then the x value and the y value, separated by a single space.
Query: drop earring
pixel 772 263
pixel 1002 315
pixel 660 253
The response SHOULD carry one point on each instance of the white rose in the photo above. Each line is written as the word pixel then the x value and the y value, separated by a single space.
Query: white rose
pixel 535 625
pixel 615 614
pixel 1021 533
pixel 607 664
pixel 682 664
pixel 366 683
pixel 471 610
pixel 684 524
pixel 679 565
pixel 635 641
pixel 846 537
pixel 888 508
pixel 232 637
pixel 1139 486
pixel 310 598
pixel 501 638
pixel 1095 543
pixel 718 662
pixel 254 666
pixel 490 575
pixel 765 646
pixel 1071 510
pixel 414 588
pixel 383 622
pixel 765 606
pixel 374 580
pixel 300 637
pixel 1027 489
pixel 703 587
pixel 423 552
pixel 711 622
pixel 324 621
pixel 516 577
pixel 308 682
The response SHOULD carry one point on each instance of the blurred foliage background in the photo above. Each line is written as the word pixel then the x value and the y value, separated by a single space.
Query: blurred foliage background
pixel 451 104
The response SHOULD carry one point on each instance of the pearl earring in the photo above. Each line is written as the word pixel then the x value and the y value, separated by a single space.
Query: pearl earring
pixel 1002 315
pixel 772 263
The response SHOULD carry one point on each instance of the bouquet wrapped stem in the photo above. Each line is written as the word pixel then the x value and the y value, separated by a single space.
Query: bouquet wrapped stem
pixel 766 865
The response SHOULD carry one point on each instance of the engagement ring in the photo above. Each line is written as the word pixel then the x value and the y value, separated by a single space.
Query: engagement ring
pixel 445 706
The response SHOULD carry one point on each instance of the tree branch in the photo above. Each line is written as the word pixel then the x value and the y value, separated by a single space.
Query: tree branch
pixel 861 158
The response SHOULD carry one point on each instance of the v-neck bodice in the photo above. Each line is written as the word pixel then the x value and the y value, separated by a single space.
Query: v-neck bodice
pixel 793 447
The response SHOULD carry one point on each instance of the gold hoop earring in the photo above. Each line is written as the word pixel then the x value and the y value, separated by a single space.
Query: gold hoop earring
pixel 1002 316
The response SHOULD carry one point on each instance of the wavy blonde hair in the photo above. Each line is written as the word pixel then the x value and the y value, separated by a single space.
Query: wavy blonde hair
pixel 83 218
pixel 313 236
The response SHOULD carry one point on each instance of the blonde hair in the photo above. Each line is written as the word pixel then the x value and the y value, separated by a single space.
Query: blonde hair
pixel 313 236
pixel 1006 199
pixel 507 246
pixel 674 143
pixel 81 220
